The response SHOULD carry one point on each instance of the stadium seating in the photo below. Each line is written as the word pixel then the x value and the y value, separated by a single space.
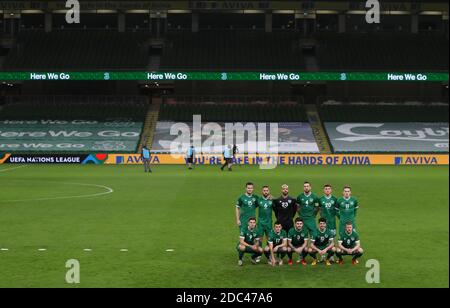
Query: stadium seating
pixel 295 134
pixel 74 107
pixel 333 111
pixel 78 50
pixel 72 124
pixel 382 52
pixel 238 110
pixel 227 50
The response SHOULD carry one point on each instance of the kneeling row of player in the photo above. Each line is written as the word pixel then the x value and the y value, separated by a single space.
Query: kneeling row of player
pixel 296 241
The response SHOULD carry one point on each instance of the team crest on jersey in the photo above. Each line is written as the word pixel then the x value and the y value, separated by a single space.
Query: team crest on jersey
pixel 352 238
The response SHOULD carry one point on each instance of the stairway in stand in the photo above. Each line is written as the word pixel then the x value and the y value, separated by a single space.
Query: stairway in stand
pixel 318 129
pixel 150 123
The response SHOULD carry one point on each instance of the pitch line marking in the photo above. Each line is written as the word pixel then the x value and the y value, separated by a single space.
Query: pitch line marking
pixel 14 168
pixel 108 191
pixel 170 250
pixel 4 249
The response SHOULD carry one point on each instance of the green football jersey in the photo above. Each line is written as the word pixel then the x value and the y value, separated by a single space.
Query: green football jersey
pixel 265 211
pixel 328 209
pixel 277 238
pixel 298 237
pixel 247 205
pixel 307 205
pixel 322 239
pixel 249 236
pixel 349 240
pixel 346 208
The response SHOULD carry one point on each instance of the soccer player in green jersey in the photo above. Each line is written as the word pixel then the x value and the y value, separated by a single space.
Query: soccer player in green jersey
pixel 249 242
pixel 322 243
pixel 277 244
pixel 327 205
pixel 265 213
pixel 298 241
pixel 349 245
pixel 308 206
pixel 346 208
pixel 246 206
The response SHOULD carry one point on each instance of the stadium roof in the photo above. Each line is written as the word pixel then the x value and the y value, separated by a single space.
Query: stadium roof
pixel 340 5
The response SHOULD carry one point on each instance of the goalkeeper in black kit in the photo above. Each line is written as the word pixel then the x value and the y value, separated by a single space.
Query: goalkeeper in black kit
pixel 285 208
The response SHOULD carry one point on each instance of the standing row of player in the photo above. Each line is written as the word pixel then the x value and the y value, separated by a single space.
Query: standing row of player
pixel 305 237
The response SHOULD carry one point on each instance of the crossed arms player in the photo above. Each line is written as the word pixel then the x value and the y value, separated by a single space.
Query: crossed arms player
pixel 346 209
pixel 246 206
pixel 328 207
pixel 308 207
pixel 265 206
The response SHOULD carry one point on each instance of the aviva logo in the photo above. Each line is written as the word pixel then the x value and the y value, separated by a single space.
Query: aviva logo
pixel 134 159
pixel 416 160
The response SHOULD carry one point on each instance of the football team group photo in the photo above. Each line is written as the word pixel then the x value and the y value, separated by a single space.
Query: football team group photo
pixel 304 226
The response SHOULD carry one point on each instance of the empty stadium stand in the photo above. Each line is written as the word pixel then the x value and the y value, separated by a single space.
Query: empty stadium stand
pixel 78 50
pixel 363 111
pixel 234 110
pixel 251 116
pixel 232 50
pixel 382 52
pixel 382 127
pixel 72 123
pixel 74 107
pixel 228 50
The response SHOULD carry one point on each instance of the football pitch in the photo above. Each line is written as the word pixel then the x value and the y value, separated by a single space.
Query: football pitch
pixel 176 228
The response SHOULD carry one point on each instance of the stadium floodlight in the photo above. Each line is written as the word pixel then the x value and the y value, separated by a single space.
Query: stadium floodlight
pixel 430 13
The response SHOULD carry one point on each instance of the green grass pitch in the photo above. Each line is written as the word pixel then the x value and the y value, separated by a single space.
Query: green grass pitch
pixel 402 221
